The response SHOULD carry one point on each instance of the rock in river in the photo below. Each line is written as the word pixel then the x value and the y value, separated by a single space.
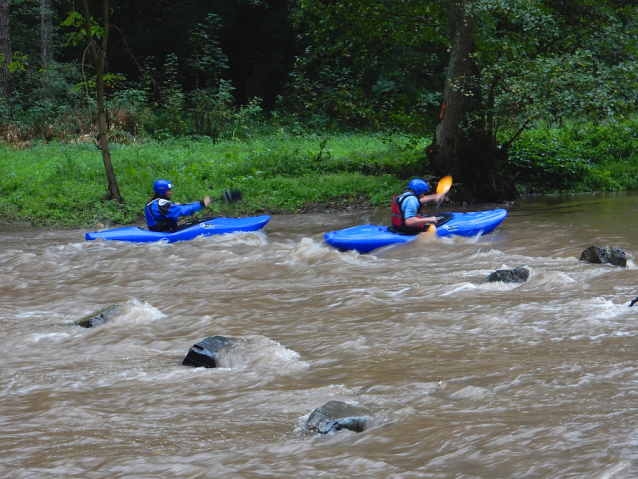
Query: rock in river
pixel 604 254
pixel 205 354
pixel 337 415
pixel 100 317
pixel 516 275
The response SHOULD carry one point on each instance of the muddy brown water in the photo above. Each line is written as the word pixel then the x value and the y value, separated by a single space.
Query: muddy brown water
pixel 539 380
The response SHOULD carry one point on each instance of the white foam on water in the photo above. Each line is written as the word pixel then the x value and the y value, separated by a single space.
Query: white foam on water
pixel 472 393
pixel 135 311
pixel 248 238
pixel 486 254
pixel 309 251
pixel 260 352
pixel 461 287
pixel 36 337
pixel 354 346
pixel 613 470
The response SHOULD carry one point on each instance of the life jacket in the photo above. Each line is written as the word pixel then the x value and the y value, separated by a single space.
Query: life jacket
pixel 162 223
pixel 398 215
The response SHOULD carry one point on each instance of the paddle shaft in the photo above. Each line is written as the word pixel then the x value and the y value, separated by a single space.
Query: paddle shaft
pixel 441 188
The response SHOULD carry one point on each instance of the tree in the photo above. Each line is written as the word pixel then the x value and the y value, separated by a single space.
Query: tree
pixel 46 32
pixel 5 53
pixel 371 62
pixel 532 61
pixel 506 65
pixel 98 58
pixel 445 153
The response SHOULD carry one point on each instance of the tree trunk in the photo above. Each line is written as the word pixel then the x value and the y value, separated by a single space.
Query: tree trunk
pixel 98 57
pixel 5 53
pixel 445 153
pixel 471 155
pixel 46 32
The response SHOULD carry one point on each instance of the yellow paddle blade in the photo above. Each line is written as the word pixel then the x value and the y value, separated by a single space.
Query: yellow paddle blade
pixel 444 184
pixel 431 228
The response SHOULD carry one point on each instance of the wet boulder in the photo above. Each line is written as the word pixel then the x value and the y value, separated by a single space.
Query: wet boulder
pixel 337 415
pixel 633 301
pixel 99 317
pixel 206 353
pixel 516 275
pixel 604 255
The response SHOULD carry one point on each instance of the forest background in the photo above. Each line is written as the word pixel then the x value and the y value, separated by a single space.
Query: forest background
pixel 309 104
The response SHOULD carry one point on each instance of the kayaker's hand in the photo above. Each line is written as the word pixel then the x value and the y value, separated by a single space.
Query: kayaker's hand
pixel 430 219
pixel 206 201
pixel 440 198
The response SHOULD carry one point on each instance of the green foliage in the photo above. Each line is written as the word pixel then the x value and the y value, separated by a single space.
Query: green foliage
pixel 288 172
pixel 582 157
pixel 377 62
pixel 45 105
pixel 555 61
pixel 206 56
pixel 78 33
pixel 63 184
pixel 371 63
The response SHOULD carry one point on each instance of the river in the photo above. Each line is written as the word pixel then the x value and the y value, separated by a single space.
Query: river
pixel 537 380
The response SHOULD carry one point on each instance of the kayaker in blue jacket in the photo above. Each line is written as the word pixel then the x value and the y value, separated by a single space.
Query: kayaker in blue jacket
pixel 161 214
pixel 406 208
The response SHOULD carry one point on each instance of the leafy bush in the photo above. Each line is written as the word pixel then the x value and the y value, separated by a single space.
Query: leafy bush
pixel 583 157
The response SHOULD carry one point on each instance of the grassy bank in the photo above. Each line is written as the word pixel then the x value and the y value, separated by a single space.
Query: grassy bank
pixel 61 184
pixel 64 184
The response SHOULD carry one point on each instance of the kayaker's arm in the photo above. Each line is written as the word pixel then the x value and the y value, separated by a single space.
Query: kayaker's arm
pixel 418 221
pixel 438 197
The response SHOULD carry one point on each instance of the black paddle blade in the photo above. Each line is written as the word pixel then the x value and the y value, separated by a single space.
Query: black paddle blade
pixel 230 196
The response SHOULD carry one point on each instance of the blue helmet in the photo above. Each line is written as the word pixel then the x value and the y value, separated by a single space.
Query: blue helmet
pixel 162 186
pixel 419 186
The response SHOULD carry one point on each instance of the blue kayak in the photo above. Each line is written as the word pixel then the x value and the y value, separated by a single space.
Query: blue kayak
pixel 213 226
pixel 366 238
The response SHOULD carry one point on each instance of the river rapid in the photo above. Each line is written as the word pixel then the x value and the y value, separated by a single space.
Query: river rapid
pixel 464 378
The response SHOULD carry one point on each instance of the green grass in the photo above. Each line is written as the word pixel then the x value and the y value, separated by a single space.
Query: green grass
pixel 64 184
pixel 59 184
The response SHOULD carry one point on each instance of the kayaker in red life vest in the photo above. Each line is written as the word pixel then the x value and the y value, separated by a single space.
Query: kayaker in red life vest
pixel 406 208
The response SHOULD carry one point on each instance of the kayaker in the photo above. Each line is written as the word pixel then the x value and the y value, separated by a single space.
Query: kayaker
pixel 406 208
pixel 161 214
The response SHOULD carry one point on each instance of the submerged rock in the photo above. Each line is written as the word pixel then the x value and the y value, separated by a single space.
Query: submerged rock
pixel 205 354
pixel 604 254
pixel 516 275
pixel 337 415
pixel 100 317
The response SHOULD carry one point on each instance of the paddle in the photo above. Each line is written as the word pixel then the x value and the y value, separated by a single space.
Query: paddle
pixel 229 196
pixel 443 187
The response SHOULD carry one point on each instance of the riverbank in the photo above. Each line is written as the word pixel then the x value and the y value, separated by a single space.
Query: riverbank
pixel 64 185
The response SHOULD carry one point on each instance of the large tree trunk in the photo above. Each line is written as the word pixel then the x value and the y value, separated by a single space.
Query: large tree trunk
pixel 5 53
pixel 472 155
pixel 46 32
pixel 445 153
pixel 99 62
